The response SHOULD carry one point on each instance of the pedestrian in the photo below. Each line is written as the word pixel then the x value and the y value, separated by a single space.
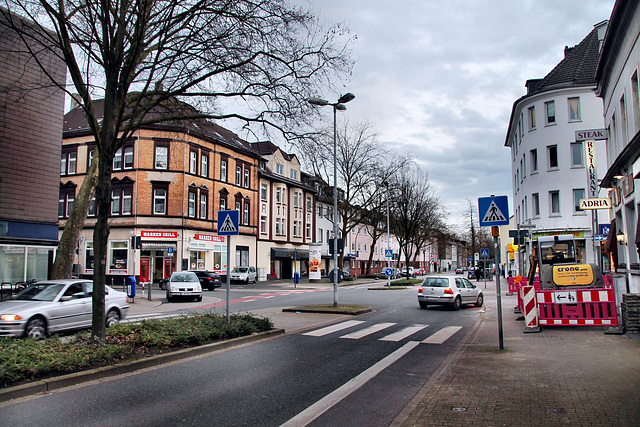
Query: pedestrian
pixel 477 274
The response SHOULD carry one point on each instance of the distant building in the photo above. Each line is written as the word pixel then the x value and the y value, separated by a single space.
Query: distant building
pixel 31 112
pixel 618 76
pixel 548 163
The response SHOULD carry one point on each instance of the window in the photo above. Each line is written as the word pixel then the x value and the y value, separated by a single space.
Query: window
pixel 247 177
pixel 115 202
pixel 533 157
pixel 127 204
pixel 296 228
pixel 279 169
pixel 535 199
pixel 623 119
pixel 309 204
pixel 118 253
pixel 320 234
pixel 263 224
pixel 238 175
pixel 65 202
pixel 245 213
pixel 223 170
pixel 578 194
pixel 576 154
pixel 204 204
pixel 204 165
pixel 192 204
pixel 68 162
pixel 117 160
pixel 295 199
pixel 328 235
pixel 162 157
pixel 635 99
pixel 574 109
pixel 532 118
pixel 160 200
pixel 238 205
pixel 128 157
pixel 193 162
pixel 92 207
pixel 294 174
pixel 552 152
pixel 263 191
pixel 308 231
pixel 554 201
pixel 121 201
pixel 223 203
pixel 278 195
pixel 277 226
pixel 550 108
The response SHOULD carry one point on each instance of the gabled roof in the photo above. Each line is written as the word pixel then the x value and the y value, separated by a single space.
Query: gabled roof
pixel 266 148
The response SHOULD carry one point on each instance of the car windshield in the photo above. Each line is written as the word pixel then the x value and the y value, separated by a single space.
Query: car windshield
pixel 435 282
pixel 40 292
pixel 239 270
pixel 184 277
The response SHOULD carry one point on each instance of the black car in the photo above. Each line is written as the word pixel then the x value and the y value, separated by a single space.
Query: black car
pixel 208 280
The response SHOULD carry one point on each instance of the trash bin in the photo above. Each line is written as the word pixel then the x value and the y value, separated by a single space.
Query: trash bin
pixel 296 277
pixel 131 286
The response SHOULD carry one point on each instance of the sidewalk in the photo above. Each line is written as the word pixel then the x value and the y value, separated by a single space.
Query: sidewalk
pixel 562 375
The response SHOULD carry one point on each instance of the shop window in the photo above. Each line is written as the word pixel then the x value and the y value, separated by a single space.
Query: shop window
pixel 118 255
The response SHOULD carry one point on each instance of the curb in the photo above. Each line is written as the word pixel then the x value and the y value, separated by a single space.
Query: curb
pixel 55 383
pixel 321 311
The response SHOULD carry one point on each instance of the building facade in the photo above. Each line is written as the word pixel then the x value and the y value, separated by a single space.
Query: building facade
pixel 618 77
pixel 31 123
pixel 548 162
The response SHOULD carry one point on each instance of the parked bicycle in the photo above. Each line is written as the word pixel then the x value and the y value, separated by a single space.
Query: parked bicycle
pixel 20 286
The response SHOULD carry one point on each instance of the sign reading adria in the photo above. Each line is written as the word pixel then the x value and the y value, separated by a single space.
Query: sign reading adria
pixel 599 203
pixel 591 135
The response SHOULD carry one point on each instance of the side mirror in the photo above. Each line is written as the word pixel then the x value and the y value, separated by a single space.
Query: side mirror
pixel 65 298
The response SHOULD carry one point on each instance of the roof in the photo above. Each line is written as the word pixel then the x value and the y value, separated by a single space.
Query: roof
pixel 266 148
pixel 577 69
pixel 75 122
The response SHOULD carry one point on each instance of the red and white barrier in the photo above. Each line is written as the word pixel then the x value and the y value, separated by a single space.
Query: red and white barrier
pixel 530 307
pixel 580 307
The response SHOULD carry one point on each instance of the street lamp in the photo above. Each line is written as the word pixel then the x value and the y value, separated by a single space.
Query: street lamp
pixel 386 184
pixel 336 106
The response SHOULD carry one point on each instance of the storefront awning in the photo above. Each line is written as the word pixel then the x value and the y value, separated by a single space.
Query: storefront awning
pixel 158 246
pixel 289 253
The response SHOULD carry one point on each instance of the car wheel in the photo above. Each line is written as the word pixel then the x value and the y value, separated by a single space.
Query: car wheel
pixel 423 304
pixel 163 285
pixel 36 328
pixel 198 299
pixel 169 297
pixel 255 279
pixel 113 318
pixel 457 303
pixel 479 301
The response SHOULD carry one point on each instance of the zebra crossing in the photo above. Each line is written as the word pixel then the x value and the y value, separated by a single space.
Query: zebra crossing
pixel 438 337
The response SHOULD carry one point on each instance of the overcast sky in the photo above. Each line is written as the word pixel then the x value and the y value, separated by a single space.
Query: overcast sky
pixel 438 79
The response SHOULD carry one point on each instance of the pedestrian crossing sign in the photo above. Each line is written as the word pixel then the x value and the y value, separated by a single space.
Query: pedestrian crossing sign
pixel 228 223
pixel 388 253
pixel 493 210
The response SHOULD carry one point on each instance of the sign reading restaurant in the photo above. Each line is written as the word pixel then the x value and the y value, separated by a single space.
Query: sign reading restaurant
pixel 160 234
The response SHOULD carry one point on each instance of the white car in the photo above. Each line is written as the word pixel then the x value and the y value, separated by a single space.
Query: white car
pixel 244 274
pixel 452 291
pixel 57 305
pixel 184 284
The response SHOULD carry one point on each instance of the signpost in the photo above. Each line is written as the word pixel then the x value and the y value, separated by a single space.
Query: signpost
pixel 493 211
pixel 228 225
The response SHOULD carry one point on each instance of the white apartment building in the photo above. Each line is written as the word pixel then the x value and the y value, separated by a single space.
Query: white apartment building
pixel 618 77
pixel 547 161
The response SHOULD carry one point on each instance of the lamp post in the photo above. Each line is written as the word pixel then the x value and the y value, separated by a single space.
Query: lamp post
pixel 386 184
pixel 336 106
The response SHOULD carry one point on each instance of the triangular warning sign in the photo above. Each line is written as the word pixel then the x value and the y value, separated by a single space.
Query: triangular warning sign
pixel 227 226
pixel 494 214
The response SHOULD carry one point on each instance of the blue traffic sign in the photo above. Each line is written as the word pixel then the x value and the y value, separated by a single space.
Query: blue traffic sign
pixel 493 210
pixel 470 259
pixel 604 229
pixel 484 253
pixel 228 223
pixel 170 251
pixel 388 272
pixel 388 253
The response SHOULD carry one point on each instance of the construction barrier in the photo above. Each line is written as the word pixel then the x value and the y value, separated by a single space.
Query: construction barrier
pixel 530 308
pixel 581 307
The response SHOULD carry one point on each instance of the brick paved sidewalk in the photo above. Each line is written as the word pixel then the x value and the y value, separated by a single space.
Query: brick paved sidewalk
pixel 561 376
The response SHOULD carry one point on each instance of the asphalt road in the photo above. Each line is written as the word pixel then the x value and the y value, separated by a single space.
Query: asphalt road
pixel 315 376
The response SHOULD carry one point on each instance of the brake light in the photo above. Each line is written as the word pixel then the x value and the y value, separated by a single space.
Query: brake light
pixel 420 290
pixel 448 291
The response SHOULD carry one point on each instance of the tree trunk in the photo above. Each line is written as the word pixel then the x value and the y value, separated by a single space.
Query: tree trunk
pixel 63 265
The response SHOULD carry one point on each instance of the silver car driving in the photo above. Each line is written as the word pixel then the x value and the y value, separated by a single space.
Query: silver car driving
pixel 244 274
pixel 57 305
pixel 449 290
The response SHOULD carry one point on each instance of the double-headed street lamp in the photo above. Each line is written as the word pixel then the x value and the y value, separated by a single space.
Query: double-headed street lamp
pixel 336 106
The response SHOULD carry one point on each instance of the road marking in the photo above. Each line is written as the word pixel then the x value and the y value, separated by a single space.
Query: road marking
pixel 367 331
pixel 334 328
pixel 404 333
pixel 442 335
pixel 321 406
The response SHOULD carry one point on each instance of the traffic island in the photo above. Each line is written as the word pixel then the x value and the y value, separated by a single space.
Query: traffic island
pixel 352 309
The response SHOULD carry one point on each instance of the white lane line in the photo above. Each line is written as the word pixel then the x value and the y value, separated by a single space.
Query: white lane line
pixel 321 406
pixel 367 331
pixel 442 335
pixel 334 328
pixel 249 300
pixel 404 333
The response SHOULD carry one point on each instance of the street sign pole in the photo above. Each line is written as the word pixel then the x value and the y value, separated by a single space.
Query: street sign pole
pixel 229 279
pixel 496 258
pixel 228 225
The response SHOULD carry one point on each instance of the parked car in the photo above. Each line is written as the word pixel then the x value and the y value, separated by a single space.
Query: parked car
pixel 57 305
pixel 244 274
pixel 452 291
pixel 184 284
pixel 208 280
pixel 459 270
pixel 410 271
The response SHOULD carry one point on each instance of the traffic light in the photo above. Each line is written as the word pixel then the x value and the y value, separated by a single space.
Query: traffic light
pixel 136 242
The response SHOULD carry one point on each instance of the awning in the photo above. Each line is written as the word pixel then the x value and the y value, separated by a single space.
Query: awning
pixel 289 253
pixel 158 246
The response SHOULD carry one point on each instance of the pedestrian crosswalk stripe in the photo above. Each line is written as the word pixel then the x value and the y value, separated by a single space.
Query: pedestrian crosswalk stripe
pixel 442 335
pixel 404 333
pixel 367 331
pixel 334 328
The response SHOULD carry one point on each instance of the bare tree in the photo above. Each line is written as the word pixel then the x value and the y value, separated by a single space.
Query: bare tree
pixel 417 214
pixel 361 169
pixel 253 60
